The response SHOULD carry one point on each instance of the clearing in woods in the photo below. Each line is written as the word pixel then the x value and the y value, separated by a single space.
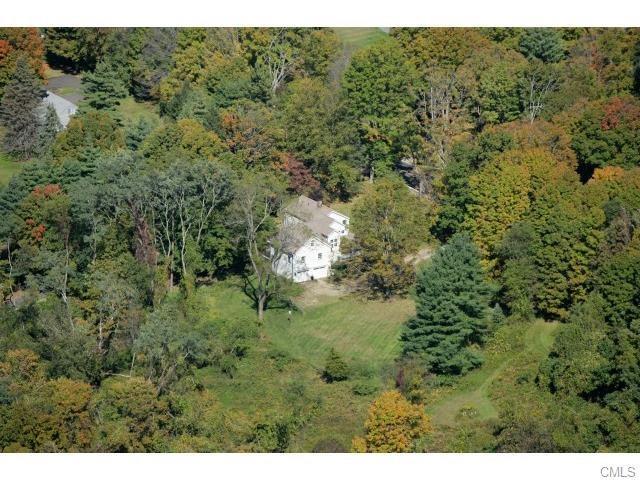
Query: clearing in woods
pixel 473 390
pixel 359 37
pixel 8 168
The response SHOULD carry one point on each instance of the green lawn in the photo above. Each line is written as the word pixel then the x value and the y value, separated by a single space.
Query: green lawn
pixel 281 372
pixel 8 168
pixel 284 366
pixel 51 73
pixel 514 351
pixel 364 332
pixel 133 111
pixel 359 37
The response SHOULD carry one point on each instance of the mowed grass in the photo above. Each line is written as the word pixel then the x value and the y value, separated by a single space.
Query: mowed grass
pixel 51 73
pixel 8 168
pixel 363 332
pixel 359 37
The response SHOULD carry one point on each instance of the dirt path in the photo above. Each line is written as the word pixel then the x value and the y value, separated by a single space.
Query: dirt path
pixel 538 339
pixel 421 255
pixel 317 291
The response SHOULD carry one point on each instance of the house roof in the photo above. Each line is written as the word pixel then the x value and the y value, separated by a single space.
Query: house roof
pixel 314 214
pixel 63 107
pixel 296 237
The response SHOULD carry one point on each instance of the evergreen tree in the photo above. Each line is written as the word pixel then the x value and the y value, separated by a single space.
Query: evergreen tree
pixel 137 132
pixel 103 88
pixel 452 309
pixel 543 43
pixel 48 129
pixel 336 369
pixel 19 110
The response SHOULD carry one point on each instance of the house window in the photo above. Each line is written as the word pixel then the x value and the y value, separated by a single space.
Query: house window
pixel 302 259
pixel 320 256
pixel 344 222
pixel 313 243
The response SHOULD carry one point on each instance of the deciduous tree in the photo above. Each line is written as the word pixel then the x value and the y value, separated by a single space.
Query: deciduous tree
pixel 388 223
pixel 393 425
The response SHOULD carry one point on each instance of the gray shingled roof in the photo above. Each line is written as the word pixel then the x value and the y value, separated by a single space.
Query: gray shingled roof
pixel 314 214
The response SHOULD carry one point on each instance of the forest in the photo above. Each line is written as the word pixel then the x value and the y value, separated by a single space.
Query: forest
pixel 488 298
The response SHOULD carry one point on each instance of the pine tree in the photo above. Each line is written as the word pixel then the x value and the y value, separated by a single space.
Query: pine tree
pixel 543 43
pixel 103 88
pixel 335 370
pixel 19 110
pixel 48 129
pixel 452 309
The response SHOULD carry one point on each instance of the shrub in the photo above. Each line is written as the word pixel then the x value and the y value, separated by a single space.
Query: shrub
pixel 364 388
pixel 336 369
pixel 329 445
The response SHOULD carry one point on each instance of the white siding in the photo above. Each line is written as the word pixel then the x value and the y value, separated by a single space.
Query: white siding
pixel 64 108
pixel 311 261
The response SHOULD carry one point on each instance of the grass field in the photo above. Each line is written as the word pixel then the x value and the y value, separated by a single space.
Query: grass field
pixel 359 37
pixel 8 168
pixel 51 73
pixel 281 373
pixel 133 111
pixel 362 332
pixel 290 357
pixel 514 347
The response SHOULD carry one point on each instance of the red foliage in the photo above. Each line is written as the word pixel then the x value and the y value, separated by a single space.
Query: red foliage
pixel 5 49
pixel 620 110
pixel 22 41
pixel 47 192
pixel 37 233
pixel 300 178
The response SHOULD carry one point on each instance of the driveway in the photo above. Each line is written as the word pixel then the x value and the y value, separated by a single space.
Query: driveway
pixel 68 87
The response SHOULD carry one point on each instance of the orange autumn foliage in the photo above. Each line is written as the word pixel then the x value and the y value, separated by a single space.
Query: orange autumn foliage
pixel 392 426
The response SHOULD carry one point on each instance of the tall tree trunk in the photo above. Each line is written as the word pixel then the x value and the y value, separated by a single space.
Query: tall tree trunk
pixel 145 252
pixel 261 301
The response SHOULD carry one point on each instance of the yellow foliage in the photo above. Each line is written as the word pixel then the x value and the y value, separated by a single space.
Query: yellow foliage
pixel 607 173
pixel 502 191
pixel 393 424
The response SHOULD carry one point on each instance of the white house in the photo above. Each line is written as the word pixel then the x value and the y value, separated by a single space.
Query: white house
pixel 63 107
pixel 314 244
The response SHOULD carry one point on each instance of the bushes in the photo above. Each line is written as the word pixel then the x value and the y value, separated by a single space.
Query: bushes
pixel 364 388
pixel 335 370
pixel 329 445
